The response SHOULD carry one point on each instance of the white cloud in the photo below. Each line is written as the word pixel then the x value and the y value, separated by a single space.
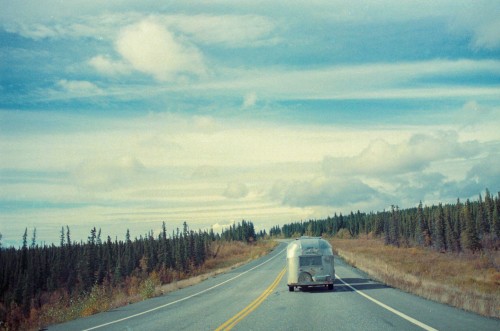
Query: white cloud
pixel 323 191
pixel 212 25
pixel 487 35
pixel 431 168
pixel 365 81
pixel 218 228
pixel 235 191
pixel 477 115
pixel 78 88
pixel 161 167
pixel 228 30
pixel 106 175
pixel 152 49
pixel 415 154
pixel 249 100
pixel 205 124
pixel 478 20
pixel 107 66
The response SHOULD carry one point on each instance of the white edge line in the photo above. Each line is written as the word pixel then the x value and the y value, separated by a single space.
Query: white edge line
pixel 392 310
pixel 183 299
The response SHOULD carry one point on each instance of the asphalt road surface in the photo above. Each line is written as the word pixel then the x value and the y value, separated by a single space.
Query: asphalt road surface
pixel 256 297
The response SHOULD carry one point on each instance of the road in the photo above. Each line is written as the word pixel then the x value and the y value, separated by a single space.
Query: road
pixel 256 297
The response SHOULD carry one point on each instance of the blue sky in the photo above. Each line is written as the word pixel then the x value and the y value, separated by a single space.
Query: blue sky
pixel 125 114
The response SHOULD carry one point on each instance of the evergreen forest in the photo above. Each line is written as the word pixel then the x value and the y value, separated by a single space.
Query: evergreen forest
pixel 469 226
pixel 29 275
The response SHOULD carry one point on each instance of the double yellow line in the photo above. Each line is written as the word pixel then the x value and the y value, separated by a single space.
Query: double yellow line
pixel 230 323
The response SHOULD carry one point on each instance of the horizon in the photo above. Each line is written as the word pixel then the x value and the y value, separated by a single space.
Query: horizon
pixel 121 116
pixel 172 232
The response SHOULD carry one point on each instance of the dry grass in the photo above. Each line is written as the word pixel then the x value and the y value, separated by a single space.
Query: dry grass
pixel 230 255
pixel 467 281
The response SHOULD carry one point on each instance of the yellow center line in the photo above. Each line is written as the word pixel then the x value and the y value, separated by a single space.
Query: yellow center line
pixel 230 323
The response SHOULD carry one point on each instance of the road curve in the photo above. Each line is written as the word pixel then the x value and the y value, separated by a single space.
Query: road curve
pixel 255 297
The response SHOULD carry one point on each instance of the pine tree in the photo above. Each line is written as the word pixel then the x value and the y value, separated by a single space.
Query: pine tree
pixel 457 226
pixel 68 237
pixel 118 272
pixel 163 246
pixel 395 227
pixel 128 258
pixel 496 223
pixel 471 239
pixel 387 230
pixel 439 230
pixel 481 220
pixel 70 263
pixel 421 230
pixel 62 236
pixel 451 236
pixel 489 206
pixel 91 253
pixel 33 239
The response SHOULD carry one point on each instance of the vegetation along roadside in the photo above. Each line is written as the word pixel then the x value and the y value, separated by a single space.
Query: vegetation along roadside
pixel 447 253
pixel 43 285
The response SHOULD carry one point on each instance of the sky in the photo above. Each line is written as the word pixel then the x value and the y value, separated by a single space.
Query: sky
pixel 124 114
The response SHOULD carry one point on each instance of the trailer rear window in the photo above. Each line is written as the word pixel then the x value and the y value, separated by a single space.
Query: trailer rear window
pixel 305 261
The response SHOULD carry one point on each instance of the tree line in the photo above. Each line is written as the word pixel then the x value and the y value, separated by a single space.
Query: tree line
pixel 472 226
pixel 29 272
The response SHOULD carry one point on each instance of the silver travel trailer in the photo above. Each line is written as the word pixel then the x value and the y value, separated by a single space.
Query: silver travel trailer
pixel 310 263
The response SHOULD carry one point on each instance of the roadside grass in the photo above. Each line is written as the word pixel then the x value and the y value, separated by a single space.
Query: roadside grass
pixel 467 281
pixel 230 255
pixel 60 307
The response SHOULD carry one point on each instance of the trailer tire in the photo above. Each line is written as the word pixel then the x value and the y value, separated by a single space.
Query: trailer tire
pixel 291 288
pixel 330 287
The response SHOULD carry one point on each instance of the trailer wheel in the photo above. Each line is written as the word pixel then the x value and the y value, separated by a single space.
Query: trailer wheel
pixel 291 288
pixel 330 287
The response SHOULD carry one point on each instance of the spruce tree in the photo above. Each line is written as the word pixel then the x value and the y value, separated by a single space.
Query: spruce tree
pixel 489 206
pixel 394 227
pixel 482 224
pixel 471 239
pixel 496 224
pixel 420 231
pixel 457 226
pixel 439 230
pixel 387 230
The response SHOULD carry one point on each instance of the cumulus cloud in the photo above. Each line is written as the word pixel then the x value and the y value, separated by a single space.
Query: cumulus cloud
pixel 107 66
pixel 235 190
pixel 152 49
pixel 219 227
pixel 426 167
pixel 323 192
pixel 415 154
pixel 474 114
pixel 484 174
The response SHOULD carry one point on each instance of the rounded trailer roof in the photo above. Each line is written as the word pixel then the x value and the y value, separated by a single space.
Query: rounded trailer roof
pixel 309 246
